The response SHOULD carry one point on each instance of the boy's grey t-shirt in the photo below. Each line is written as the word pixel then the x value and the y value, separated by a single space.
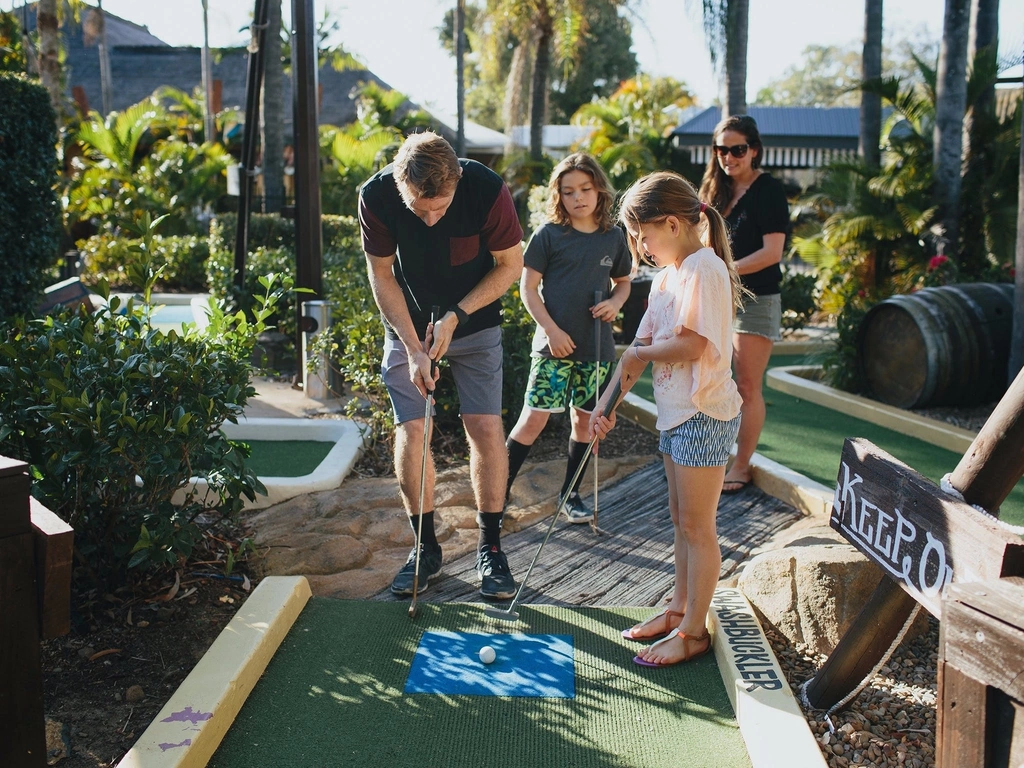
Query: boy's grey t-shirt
pixel 573 266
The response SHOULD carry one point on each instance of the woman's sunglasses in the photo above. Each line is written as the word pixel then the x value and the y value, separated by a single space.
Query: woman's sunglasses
pixel 736 150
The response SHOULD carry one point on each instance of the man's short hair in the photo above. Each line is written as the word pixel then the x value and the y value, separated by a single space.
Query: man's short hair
pixel 428 163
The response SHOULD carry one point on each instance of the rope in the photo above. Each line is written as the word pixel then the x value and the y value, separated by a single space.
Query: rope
pixel 946 485
pixel 863 683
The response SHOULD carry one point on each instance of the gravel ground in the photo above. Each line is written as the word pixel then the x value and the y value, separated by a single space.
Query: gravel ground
pixel 972 418
pixel 892 721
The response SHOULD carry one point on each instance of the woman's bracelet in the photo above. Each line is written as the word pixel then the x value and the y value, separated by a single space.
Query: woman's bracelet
pixel 636 351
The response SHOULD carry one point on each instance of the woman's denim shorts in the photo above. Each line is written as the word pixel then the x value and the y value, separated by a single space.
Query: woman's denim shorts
pixel 761 315
pixel 700 441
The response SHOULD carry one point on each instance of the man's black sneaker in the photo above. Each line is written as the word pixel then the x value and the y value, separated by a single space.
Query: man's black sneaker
pixel 496 580
pixel 430 567
pixel 576 510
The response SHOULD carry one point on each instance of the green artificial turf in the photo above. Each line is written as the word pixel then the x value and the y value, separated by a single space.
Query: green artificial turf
pixel 286 458
pixel 333 695
pixel 808 438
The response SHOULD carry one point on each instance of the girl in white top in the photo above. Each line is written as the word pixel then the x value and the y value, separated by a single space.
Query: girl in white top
pixel 686 333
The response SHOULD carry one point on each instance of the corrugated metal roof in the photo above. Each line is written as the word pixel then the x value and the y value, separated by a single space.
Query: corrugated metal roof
pixel 775 123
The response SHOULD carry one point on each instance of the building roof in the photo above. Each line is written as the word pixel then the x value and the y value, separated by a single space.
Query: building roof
pixel 793 137
pixel 779 123
pixel 140 63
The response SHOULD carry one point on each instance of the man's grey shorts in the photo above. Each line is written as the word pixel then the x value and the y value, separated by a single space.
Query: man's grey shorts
pixel 761 315
pixel 475 361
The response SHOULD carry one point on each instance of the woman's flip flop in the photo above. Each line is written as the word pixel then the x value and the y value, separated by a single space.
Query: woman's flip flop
pixel 631 633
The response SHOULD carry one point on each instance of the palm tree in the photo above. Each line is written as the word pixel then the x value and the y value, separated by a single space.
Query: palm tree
pixel 725 29
pixel 871 70
pixel 950 106
pixel 548 27
pixel 273 113
pixel 48 27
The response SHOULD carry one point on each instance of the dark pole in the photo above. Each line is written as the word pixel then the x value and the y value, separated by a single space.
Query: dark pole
pixel 250 134
pixel 460 67
pixel 305 91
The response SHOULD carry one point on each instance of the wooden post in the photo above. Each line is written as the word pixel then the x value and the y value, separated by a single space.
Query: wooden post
pixel 21 677
pixel 981 676
pixel 995 461
pixel 985 476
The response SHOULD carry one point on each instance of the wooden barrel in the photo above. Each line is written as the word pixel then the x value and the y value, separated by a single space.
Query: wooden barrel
pixel 939 346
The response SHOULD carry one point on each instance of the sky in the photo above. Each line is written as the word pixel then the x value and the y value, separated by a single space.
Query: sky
pixel 398 41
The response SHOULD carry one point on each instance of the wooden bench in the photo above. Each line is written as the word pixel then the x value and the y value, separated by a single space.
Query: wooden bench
pixel 67 293
pixel 35 602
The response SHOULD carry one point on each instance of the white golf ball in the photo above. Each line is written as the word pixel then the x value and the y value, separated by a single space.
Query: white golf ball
pixel 487 654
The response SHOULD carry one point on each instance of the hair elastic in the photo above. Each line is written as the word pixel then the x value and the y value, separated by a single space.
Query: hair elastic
pixel 703 207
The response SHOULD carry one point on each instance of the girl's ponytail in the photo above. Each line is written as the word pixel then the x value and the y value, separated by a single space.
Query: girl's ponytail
pixel 718 241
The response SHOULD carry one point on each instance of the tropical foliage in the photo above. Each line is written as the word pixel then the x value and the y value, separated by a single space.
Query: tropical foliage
pixel 876 232
pixel 630 127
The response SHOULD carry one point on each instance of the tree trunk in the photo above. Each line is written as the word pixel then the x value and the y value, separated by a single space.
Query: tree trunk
pixel 950 105
pixel 982 46
pixel 106 86
pixel 1017 337
pixel 513 109
pixel 460 76
pixel 49 55
pixel 736 58
pixel 871 69
pixel 539 91
pixel 273 113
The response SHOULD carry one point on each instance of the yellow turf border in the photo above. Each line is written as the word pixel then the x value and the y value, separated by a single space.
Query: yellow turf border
pixel 771 722
pixel 190 727
pixel 192 724
pixel 800 381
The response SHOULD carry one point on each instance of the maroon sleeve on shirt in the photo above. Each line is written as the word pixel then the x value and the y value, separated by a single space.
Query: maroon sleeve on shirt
pixel 377 240
pixel 502 231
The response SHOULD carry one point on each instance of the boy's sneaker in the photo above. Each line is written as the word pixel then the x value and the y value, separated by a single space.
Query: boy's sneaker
pixel 430 567
pixel 496 580
pixel 576 510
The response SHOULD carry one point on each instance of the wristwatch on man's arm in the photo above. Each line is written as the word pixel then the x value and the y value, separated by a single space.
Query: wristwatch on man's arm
pixel 459 313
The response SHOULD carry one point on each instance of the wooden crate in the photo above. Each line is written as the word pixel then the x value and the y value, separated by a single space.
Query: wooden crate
pixel 981 675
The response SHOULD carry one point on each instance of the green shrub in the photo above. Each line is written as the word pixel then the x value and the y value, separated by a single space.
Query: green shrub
pixel 111 258
pixel 799 298
pixel 30 218
pixel 114 416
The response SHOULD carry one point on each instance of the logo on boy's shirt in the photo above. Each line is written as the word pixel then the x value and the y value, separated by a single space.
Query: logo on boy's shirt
pixel 606 261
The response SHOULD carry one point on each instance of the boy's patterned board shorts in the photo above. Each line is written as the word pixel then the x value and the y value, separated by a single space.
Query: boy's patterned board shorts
pixel 554 384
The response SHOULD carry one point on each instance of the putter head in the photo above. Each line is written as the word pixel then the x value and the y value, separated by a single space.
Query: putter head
pixel 500 615
pixel 414 611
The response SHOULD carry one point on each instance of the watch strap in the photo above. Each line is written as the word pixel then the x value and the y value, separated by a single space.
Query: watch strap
pixel 460 313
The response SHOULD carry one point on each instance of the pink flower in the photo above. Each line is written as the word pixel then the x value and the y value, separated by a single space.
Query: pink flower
pixel 937 261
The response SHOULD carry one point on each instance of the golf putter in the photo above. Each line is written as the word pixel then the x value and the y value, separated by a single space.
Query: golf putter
pixel 413 607
pixel 511 614
pixel 598 298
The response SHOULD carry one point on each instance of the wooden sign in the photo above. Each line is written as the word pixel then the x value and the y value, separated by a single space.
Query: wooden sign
pixel 920 536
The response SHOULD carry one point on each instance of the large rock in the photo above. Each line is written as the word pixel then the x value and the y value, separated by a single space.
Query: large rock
pixel 811 589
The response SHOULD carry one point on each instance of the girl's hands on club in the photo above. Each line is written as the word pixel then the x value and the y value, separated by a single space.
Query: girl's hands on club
pixel 601 425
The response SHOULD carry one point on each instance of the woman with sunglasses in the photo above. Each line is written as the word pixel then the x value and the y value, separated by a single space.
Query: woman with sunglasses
pixel 757 215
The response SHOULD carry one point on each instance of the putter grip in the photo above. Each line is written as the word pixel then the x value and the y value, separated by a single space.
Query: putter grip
pixel 616 392
pixel 434 312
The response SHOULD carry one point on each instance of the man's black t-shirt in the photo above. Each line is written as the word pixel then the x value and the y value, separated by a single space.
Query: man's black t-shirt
pixel 439 265
pixel 762 210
